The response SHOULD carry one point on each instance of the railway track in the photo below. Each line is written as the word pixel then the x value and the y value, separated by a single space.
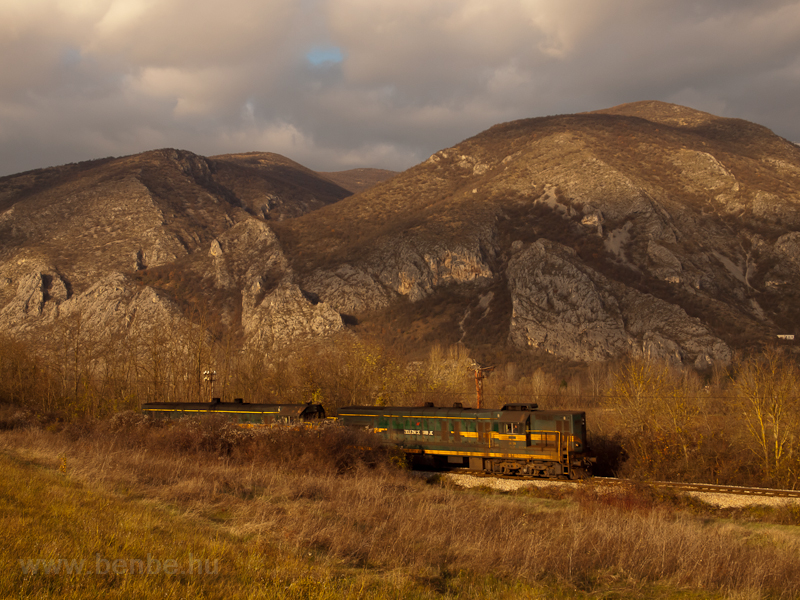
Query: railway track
pixel 728 489
pixel 697 489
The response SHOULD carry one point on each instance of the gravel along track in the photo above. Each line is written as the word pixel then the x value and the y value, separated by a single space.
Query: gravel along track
pixel 719 499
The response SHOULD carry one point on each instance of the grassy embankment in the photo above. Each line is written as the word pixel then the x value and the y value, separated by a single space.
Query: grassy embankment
pixel 301 514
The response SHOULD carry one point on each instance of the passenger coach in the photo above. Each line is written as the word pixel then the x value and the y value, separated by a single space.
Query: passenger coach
pixel 238 411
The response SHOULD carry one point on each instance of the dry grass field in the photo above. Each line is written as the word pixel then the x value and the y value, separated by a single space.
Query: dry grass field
pixel 124 508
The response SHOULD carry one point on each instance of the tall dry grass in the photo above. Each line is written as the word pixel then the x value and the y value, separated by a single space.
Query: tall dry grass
pixel 306 492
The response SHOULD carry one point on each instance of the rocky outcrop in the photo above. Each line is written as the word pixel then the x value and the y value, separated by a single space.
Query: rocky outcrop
pixel 275 311
pixel 285 315
pixel 245 255
pixel 414 267
pixel 406 266
pixel 567 309
pixel 665 265
pixel 788 248
pixel 39 290
pixel 350 290
pixel 563 308
pixel 664 331
pixel 115 306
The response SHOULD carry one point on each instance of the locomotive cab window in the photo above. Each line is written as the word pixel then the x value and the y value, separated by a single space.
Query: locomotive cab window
pixel 512 428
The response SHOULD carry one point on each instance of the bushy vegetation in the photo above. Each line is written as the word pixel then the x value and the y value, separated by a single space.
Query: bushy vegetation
pixel 647 420
pixel 738 428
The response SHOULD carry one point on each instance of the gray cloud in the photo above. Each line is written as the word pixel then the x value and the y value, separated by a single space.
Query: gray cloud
pixel 82 79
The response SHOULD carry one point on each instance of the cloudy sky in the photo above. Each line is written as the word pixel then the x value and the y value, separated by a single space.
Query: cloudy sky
pixel 337 84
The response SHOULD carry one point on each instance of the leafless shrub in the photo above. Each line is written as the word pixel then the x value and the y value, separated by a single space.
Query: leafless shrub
pixel 12 417
pixel 77 429
pixel 127 420
pixel 325 447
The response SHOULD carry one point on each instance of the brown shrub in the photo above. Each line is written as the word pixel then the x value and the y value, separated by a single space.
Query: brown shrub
pixel 14 417
pixel 326 447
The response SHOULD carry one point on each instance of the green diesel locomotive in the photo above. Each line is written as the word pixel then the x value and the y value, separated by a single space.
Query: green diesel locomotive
pixel 518 439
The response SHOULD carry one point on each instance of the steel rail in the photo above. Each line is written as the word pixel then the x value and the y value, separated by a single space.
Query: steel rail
pixel 709 488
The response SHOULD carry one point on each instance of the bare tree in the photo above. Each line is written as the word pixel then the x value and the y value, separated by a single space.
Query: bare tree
pixel 767 397
pixel 659 405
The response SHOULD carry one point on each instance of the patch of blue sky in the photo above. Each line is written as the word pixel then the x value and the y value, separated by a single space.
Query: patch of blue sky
pixel 71 56
pixel 321 55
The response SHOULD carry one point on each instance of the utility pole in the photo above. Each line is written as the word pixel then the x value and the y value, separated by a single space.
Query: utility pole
pixel 209 377
pixel 481 373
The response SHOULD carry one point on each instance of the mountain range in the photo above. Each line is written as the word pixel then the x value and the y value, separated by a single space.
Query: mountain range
pixel 647 229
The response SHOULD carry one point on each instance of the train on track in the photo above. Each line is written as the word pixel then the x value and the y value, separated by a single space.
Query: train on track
pixel 518 439
pixel 239 411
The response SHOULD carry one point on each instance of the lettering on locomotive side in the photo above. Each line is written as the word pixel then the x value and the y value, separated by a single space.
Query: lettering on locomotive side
pixel 417 432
